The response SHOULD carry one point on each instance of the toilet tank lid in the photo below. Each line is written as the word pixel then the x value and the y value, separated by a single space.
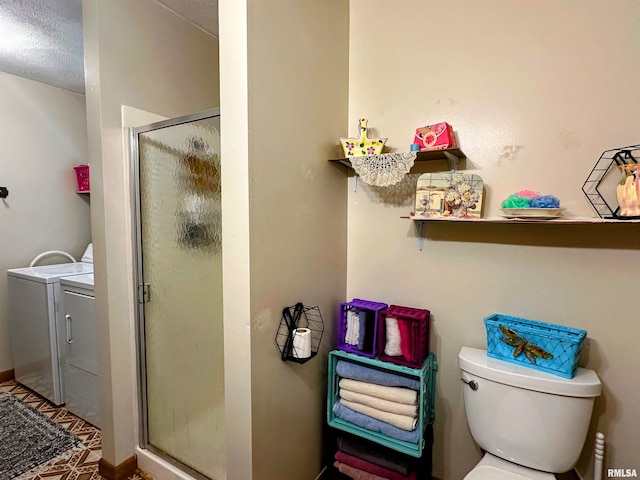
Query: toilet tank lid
pixel 475 361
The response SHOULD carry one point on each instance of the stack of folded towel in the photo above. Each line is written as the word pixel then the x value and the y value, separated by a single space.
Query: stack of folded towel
pixel 379 401
pixel 362 460
pixel 403 338
pixel 383 403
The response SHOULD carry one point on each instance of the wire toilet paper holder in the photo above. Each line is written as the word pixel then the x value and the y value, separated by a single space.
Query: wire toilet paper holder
pixel 299 333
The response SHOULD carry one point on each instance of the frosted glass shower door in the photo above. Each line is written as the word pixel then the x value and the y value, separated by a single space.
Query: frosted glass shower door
pixel 180 291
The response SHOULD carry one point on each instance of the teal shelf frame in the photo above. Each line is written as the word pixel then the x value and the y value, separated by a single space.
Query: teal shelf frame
pixel 427 378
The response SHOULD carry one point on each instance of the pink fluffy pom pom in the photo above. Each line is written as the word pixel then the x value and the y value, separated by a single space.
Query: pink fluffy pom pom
pixel 528 193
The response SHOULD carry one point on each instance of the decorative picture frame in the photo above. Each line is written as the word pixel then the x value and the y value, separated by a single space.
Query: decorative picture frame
pixel 449 194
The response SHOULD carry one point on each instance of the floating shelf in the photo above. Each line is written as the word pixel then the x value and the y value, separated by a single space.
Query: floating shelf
pixel 83 191
pixel 452 155
pixel 564 220
pixel 421 221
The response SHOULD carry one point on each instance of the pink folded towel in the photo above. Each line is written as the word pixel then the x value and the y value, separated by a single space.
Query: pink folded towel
pixel 407 343
pixel 369 467
pixel 355 473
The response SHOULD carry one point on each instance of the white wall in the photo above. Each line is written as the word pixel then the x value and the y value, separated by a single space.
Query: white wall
pixel 43 136
pixel 142 55
pixel 536 91
pixel 236 292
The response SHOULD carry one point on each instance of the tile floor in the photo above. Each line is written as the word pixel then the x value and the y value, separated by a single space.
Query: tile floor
pixel 82 462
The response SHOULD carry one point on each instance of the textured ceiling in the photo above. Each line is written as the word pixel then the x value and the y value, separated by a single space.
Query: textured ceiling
pixel 42 39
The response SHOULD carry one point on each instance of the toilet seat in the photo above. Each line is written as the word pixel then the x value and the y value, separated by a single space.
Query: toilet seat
pixel 495 468
pixel 487 472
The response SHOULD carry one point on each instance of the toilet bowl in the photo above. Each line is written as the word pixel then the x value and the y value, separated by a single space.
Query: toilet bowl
pixel 530 424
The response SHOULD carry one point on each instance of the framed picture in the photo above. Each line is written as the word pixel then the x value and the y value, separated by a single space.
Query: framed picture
pixel 449 194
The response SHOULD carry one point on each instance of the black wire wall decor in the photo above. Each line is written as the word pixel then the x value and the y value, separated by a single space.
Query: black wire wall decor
pixel 601 173
pixel 299 333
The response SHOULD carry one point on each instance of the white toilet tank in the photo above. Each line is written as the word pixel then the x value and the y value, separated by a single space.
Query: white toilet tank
pixel 526 416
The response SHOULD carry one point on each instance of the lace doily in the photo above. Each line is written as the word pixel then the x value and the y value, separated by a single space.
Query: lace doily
pixel 383 170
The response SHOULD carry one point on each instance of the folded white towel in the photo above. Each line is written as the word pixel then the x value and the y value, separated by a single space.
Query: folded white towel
pixel 393 394
pixel 384 405
pixel 353 328
pixel 392 346
pixel 401 421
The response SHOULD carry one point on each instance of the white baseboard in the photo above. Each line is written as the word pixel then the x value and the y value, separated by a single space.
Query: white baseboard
pixel 158 468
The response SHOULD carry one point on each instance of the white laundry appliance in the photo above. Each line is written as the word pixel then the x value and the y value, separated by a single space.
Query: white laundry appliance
pixel 78 348
pixel 34 313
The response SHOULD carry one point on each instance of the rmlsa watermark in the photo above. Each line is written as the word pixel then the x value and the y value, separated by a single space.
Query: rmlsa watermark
pixel 622 473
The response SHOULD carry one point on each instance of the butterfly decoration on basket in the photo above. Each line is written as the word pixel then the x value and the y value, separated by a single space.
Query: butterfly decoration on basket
pixel 521 345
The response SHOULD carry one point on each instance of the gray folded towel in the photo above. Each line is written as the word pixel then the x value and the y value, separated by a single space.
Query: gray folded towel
pixel 375 425
pixel 362 317
pixel 375 453
pixel 355 371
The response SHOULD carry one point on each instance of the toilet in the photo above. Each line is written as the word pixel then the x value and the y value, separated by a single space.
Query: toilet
pixel 530 424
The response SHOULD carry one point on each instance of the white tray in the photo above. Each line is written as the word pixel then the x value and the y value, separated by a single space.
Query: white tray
pixel 537 213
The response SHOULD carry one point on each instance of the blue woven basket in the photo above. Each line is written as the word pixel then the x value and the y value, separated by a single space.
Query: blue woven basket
pixel 544 346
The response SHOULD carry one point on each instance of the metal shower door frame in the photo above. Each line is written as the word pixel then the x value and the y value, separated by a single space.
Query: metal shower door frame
pixel 138 280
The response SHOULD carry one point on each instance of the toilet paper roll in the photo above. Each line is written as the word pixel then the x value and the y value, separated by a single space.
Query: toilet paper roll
pixel 301 343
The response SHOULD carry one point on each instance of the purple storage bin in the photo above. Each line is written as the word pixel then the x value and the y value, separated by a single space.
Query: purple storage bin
pixel 412 337
pixel 369 311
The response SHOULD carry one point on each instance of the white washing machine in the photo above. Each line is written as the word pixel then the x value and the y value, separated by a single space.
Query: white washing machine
pixel 34 312
pixel 78 348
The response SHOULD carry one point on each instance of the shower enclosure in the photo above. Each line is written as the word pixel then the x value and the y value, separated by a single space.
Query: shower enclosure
pixel 177 223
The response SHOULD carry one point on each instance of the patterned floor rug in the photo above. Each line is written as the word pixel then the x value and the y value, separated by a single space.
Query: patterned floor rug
pixel 28 438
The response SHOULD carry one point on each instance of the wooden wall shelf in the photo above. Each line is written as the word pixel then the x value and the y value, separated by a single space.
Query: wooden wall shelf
pixel 515 221
pixel 420 222
pixel 452 155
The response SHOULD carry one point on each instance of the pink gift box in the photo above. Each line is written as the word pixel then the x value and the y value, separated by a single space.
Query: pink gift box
pixel 438 136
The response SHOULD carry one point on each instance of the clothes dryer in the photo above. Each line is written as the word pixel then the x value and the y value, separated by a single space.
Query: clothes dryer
pixel 78 348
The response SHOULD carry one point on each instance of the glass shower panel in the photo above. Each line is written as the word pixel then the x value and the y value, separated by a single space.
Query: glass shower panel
pixel 181 262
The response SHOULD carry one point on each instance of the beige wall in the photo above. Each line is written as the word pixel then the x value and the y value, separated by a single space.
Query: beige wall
pixel 518 87
pixel 536 90
pixel 297 104
pixel 43 136
pixel 142 55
